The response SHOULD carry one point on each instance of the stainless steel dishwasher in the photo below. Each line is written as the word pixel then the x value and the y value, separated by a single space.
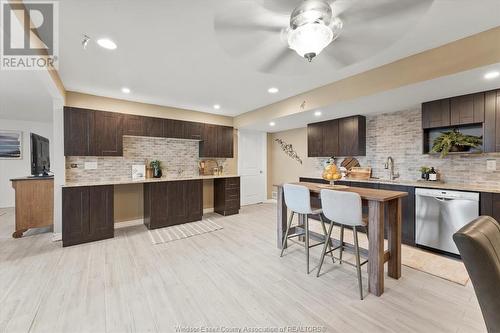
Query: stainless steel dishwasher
pixel 440 213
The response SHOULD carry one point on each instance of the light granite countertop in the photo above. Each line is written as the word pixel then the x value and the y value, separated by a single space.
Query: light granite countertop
pixel 147 180
pixel 429 184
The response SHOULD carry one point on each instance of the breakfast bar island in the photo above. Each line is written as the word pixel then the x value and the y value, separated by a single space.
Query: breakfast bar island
pixel 383 207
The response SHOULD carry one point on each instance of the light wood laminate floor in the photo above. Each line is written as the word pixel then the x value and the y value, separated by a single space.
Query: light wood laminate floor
pixel 229 278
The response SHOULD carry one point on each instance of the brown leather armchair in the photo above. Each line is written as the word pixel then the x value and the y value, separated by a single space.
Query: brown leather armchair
pixel 479 246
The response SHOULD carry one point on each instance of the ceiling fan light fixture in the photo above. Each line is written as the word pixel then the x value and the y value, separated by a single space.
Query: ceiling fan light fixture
pixel 310 39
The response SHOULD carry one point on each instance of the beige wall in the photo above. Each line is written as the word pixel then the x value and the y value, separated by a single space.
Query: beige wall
pixel 122 106
pixel 280 167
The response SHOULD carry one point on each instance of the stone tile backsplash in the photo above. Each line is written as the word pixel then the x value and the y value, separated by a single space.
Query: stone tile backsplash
pixel 174 155
pixel 399 134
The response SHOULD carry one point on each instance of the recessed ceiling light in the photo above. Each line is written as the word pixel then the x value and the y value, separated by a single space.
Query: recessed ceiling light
pixel 272 123
pixel 317 113
pixel 125 90
pixel 107 43
pixel 491 75
pixel 273 90
pixel 216 106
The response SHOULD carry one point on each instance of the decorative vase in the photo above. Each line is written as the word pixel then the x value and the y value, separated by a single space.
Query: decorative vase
pixel 460 149
pixel 157 173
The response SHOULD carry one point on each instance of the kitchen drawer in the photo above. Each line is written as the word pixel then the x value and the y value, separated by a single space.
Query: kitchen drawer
pixel 227 195
pixel 232 193
pixel 233 204
pixel 233 182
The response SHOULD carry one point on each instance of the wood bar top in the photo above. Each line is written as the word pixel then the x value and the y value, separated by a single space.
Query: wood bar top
pixel 369 194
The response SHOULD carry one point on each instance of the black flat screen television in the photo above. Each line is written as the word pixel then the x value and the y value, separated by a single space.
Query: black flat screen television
pixel 40 160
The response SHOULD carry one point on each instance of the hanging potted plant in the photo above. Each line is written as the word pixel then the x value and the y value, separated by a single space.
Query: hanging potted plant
pixel 156 165
pixel 455 142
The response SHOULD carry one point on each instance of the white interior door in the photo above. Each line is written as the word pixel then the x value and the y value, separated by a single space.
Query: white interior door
pixel 252 155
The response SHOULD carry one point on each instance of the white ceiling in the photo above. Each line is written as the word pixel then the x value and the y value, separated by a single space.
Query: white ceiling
pixel 168 52
pixel 23 96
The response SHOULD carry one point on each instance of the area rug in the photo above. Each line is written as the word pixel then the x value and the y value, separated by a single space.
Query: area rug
pixel 181 231
pixel 428 262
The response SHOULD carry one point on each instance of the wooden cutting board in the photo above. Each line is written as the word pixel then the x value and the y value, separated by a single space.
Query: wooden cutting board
pixel 349 163
pixel 360 173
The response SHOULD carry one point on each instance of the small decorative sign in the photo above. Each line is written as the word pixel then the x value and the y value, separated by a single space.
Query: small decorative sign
pixel 138 172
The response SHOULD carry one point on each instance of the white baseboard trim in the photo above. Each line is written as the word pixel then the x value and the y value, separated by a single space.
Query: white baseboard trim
pixel 57 236
pixel 130 223
pixel 271 201
pixel 208 210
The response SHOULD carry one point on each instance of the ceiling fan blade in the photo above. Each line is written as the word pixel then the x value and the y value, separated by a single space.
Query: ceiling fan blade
pixel 246 26
pixel 272 65
pixel 363 11
pixel 337 56
pixel 280 6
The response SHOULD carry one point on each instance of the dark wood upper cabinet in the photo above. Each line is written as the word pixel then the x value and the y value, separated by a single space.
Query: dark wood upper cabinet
pixel 468 109
pixel 490 122
pixel 108 134
pixel 78 132
pixel 193 131
pixel 344 137
pixel 173 128
pixel 208 147
pixel 99 133
pixel 153 127
pixel 331 135
pixel 315 140
pixel 352 136
pixel 87 214
pixel 436 114
pixel 224 141
pixel 497 122
pixel 133 125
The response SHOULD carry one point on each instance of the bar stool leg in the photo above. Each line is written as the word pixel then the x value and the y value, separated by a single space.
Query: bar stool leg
pixel 358 265
pixel 341 243
pixel 324 249
pixel 284 244
pixel 326 236
pixel 307 241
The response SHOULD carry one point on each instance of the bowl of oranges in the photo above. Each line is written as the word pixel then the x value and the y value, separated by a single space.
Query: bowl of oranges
pixel 331 172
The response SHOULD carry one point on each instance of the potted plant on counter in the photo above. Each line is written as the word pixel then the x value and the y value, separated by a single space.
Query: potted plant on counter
pixel 156 165
pixel 425 172
pixel 455 142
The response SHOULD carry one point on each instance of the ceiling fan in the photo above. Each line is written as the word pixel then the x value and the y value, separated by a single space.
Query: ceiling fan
pixel 264 33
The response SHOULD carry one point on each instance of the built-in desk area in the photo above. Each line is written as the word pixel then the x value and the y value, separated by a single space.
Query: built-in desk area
pixel 88 206
pixel 34 203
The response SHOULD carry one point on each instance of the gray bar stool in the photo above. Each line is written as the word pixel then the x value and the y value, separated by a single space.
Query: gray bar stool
pixel 344 208
pixel 298 200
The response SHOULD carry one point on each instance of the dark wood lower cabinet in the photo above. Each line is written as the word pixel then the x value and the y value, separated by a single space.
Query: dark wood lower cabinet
pixel 490 205
pixel 227 195
pixel 173 202
pixel 87 214
pixel 407 210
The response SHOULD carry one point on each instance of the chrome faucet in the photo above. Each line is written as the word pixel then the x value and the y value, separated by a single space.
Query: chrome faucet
pixel 389 164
